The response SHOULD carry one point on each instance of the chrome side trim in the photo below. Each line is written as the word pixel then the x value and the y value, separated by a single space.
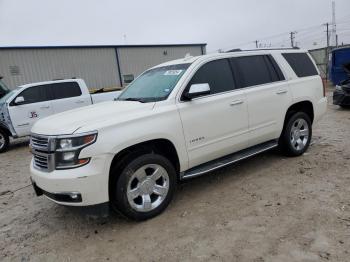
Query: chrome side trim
pixel 236 157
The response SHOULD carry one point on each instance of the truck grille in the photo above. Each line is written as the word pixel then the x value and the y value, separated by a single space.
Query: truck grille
pixel 39 142
pixel 42 156
pixel 41 161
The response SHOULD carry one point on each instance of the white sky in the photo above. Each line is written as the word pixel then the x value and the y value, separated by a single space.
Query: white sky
pixel 222 24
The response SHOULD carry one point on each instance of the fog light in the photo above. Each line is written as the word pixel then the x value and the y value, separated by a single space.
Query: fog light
pixel 74 196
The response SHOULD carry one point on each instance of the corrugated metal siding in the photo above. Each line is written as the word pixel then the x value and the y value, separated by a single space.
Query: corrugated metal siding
pixel 97 66
pixel 135 60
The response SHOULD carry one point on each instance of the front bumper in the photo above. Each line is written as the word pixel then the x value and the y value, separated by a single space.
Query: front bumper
pixel 67 197
pixel 84 186
pixel 341 98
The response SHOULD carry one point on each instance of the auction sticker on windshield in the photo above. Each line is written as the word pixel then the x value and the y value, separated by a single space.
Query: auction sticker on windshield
pixel 173 72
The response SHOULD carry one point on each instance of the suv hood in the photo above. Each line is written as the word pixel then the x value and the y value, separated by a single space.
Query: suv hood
pixel 68 122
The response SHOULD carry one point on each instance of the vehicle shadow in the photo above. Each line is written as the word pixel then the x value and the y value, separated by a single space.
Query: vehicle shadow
pixel 18 142
pixel 194 187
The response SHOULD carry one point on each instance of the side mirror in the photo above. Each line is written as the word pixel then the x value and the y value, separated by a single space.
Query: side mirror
pixel 197 90
pixel 19 100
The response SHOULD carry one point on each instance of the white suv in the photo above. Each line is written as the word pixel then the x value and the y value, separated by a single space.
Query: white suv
pixel 177 120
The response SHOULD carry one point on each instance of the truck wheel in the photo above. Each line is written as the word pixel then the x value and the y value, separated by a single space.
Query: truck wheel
pixel 4 141
pixel 296 135
pixel 144 188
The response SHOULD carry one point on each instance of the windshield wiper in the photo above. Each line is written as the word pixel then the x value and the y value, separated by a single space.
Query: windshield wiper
pixel 133 99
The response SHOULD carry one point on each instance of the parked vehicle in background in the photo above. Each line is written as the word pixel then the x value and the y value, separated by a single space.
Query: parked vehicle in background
pixel 339 61
pixel 3 88
pixel 341 94
pixel 21 108
pixel 176 121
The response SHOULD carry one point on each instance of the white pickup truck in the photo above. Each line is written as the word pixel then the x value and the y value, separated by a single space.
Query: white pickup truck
pixel 22 107
pixel 176 121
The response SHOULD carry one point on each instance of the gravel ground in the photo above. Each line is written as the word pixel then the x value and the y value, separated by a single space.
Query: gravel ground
pixel 267 208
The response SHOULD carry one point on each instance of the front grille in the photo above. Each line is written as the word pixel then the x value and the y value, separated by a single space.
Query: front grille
pixel 39 142
pixel 42 156
pixel 41 161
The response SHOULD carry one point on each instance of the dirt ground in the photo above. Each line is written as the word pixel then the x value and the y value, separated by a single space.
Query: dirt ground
pixel 267 208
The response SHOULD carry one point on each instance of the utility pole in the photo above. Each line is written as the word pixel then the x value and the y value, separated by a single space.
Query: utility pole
pixel 334 25
pixel 327 28
pixel 256 44
pixel 292 37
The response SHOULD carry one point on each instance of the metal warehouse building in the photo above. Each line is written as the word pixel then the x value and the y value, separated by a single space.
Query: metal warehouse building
pixel 99 66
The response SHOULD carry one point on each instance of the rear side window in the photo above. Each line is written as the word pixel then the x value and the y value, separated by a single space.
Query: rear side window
pixel 65 90
pixel 217 74
pixel 35 94
pixel 301 64
pixel 256 70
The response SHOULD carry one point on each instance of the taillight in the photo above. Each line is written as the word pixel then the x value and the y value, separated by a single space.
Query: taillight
pixel 324 83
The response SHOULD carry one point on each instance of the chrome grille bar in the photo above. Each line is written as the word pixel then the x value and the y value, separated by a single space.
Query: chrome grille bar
pixel 41 149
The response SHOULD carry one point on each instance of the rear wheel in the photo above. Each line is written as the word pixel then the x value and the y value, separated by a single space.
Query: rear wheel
pixel 144 188
pixel 4 141
pixel 296 135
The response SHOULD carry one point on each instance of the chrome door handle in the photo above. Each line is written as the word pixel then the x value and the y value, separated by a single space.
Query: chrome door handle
pixel 25 124
pixel 44 107
pixel 237 102
pixel 79 101
pixel 280 92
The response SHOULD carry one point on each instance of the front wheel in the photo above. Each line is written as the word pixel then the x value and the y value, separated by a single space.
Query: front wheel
pixel 4 141
pixel 144 188
pixel 296 135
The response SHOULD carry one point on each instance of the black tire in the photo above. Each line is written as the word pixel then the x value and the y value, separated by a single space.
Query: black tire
pixel 4 145
pixel 285 141
pixel 121 181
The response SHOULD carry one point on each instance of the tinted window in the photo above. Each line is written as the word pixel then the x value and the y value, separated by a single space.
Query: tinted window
pixel 301 64
pixel 155 84
pixel 256 70
pixel 217 74
pixel 276 73
pixel 65 90
pixel 35 94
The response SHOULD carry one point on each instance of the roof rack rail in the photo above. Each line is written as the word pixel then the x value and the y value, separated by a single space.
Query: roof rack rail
pixel 263 49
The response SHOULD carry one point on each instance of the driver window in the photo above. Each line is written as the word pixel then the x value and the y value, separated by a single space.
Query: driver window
pixel 34 94
pixel 217 74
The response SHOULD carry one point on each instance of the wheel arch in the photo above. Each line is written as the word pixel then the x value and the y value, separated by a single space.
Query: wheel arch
pixel 160 146
pixel 6 130
pixel 305 106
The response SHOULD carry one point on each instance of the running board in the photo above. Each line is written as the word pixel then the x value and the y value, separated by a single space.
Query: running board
pixel 227 160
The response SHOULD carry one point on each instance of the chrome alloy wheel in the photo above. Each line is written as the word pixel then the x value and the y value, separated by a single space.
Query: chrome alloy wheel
pixel 148 187
pixel 299 134
pixel 2 141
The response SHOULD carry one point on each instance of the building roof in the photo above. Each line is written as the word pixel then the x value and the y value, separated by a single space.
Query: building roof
pixel 100 46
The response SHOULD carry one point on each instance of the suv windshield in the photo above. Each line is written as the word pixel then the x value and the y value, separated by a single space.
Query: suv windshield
pixel 155 84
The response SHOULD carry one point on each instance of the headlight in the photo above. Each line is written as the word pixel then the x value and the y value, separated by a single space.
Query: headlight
pixel 338 88
pixel 68 149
